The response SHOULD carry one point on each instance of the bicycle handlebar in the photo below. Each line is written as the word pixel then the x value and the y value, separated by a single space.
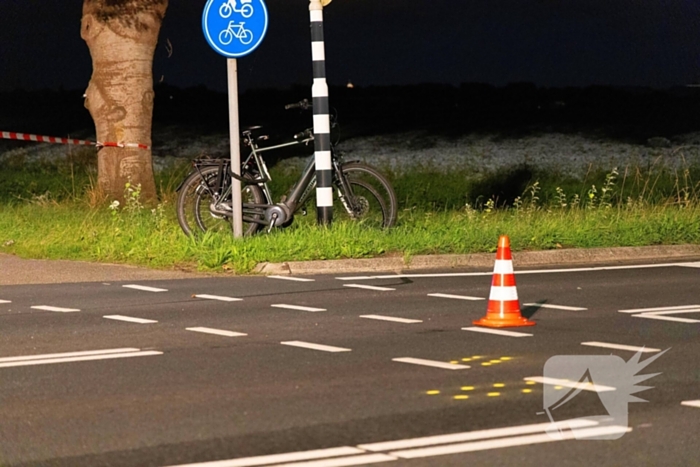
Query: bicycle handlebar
pixel 308 133
pixel 303 104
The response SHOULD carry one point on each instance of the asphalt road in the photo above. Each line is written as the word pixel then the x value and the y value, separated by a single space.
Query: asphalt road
pixel 212 369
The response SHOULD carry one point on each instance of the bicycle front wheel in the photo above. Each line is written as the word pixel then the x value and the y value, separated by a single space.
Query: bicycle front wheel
pixel 194 202
pixel 368 197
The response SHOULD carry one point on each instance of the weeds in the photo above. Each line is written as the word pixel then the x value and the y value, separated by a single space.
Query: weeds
pixel 44 216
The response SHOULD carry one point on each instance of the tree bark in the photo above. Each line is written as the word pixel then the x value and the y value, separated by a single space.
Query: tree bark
pixel 122 36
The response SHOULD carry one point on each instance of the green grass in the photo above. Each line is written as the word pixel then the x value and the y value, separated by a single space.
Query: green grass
pixel 45 213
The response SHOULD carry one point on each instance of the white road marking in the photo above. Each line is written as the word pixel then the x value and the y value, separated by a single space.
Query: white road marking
pixel 475 435
pixel 218 332
pixel 509 442
pixel 392 318
pixel 661 308
pixel 218 297
pixel 5 301
pixel 290 278
pixel 556 307
pixel 631 348
pixel 533 271
pixel 277 458
pixel 50 361
pixel 498 332
pixel 691 265
pixel 309 345
pixel 570 384
pixel 55 308
pixel 343 461
pixel 144 288
pixel 660 315
pixel 368 287
pixel 432 363
pixel 297 307
pixel 457 297
pixel 691 403
pixel 67 354
pixel 130 319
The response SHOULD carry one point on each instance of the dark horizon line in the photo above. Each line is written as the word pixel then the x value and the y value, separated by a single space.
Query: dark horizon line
pixel 290 87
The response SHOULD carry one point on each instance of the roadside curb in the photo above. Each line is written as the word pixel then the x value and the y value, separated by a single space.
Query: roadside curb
pixel 563 257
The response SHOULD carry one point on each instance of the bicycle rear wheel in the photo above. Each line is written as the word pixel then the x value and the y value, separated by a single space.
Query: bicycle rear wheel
pixel 369 200
pixel 194 205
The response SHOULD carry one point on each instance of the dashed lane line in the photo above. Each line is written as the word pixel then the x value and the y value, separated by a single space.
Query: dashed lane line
pixel 275 459
pixel 456 297
pixel 570 384
pixel 498 332
pixel 556 307
pixel 130 319
pixel 144 288
pixel 477 435
pixel 55 308
pixel 511 442
pixel 429 446
pixel 312 346
pixel 660 308
pixel 5 301
pixel 631 348
pixel 218 298
pixel 531 271
pixel 691 403
pixel 76 357
pixel 298 307
pixel 218 332
pixel 369 287
pixel 392 318
pixel 431 363
pixel 290 278
pixel 67 354
pixel 365 459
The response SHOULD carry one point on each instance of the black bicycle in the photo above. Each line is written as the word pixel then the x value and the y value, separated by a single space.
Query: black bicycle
pixel 204 200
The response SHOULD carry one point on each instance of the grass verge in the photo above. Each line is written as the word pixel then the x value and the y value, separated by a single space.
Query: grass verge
pixel 152 238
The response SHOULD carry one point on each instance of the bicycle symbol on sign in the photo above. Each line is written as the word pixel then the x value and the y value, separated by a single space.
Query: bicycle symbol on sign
pixel 237 31
pixel 229 6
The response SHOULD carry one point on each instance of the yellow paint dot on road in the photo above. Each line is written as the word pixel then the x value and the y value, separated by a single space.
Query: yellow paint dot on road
pixel 505 359
pixel 433 392
pixel 558 387
pixel 499 385
pixel 530 383
pixel 477 357
pixel 467 388
pixel 461 397
pixel 454 362
pixel 486 364
pixel 527 391
pixel 466 359
pixel 493 394
pixel 495 361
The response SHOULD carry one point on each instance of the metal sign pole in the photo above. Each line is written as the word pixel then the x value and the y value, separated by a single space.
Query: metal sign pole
pixel 236 199
pixel 234 30
pixel 322 125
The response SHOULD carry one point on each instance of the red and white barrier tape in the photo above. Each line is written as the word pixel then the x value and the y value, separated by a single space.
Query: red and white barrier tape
pixel 79 142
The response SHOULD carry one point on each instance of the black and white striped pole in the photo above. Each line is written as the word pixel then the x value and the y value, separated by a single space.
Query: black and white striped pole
pixel 322 123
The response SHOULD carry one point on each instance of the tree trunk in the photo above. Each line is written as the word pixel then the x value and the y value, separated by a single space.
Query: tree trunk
pixel 122 36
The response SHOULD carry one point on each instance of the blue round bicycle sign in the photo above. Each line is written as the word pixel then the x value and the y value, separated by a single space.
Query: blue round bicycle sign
pixel 234 28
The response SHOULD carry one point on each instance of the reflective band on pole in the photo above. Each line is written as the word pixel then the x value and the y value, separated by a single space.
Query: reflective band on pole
pixel 503 294
pixel 75 142
pixel 322 126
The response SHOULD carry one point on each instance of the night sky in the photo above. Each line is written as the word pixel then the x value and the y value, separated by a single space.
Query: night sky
pixel 552 43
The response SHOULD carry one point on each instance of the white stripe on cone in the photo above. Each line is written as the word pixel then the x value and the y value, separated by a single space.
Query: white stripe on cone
pixel 503 294
pixel 503 266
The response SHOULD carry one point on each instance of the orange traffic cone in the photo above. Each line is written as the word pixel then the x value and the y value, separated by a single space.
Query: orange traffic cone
pixel 503 310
